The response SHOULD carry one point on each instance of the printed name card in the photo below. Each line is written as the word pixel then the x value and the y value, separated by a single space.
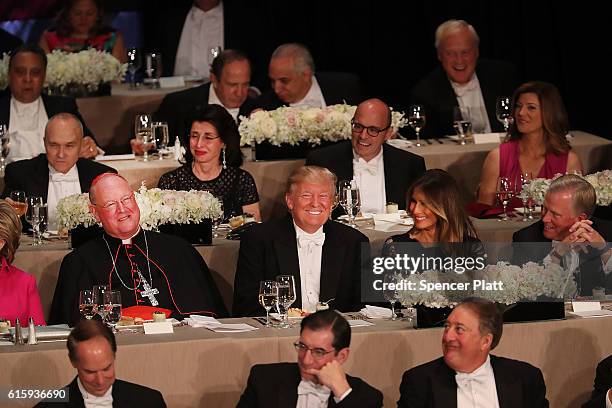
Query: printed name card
pixel 171 82
pixel 158 327
pixel 482 138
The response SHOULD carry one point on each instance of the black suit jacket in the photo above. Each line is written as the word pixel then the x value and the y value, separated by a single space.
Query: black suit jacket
pixel 337 87
pixel 433 385
pixel 270 249
pixel 125 395
pixel 175 108
pixel 435 93
pixel 275 386
pixel 591 269
pixel 53 106
pixel 402 168
pixel 603 382
pixel 32 175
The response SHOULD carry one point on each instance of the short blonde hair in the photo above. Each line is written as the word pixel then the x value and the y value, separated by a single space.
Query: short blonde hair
pixel 584 197
pixel 453 26
pixel 312 174
pixel 10 231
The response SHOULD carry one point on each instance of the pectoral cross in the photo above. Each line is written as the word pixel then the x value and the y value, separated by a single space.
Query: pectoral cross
pixel 148 290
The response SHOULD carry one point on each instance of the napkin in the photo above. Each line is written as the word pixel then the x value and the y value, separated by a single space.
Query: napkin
pixel 213 324
pixel 376 312
pixel 359 323
pixel 46 332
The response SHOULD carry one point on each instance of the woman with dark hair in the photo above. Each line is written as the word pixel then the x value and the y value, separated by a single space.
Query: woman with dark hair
pixel 80 26
pixel 18 294
pixel 536 143
pixel 213 163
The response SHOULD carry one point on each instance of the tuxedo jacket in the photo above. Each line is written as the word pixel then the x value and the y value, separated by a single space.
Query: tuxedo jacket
pixel 337 87
pixel 433 385
pixel 603 382
pixel 125 395
pixel 32 175
pixel 176 106
pixel 402 168
pixel 591 269
pixel 275 386
pixel 435 93
pixel 53 106
pixel 270 249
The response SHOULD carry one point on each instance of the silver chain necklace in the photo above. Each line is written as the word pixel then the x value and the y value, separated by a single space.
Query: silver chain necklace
pixel 115 266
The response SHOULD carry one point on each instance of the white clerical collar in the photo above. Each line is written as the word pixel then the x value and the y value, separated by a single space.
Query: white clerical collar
pixel 313 98
pixel 91 400
pixel 72 172
pixel 214 99
pixel 128 241
pixel 26 109
pixel 197 13
pixel 374 160
pixel 300 232
pixel 461 89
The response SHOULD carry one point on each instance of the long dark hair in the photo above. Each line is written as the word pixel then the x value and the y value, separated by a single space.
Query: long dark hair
pixel 221 119
pixel 64 29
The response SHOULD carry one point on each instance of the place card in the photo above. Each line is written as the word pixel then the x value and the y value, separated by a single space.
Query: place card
pixel 585 306
pixel 171 82
pixel 482 138
pixel 158 327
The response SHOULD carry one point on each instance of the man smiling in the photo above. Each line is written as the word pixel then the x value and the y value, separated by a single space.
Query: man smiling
pixel 323 256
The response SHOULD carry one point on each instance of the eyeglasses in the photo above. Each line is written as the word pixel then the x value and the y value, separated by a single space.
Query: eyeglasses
pixel 113 205
pixel 372 130
pixel 206 137
pixel 317 353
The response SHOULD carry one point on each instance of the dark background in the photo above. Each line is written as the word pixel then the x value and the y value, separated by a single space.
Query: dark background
pixel 390 43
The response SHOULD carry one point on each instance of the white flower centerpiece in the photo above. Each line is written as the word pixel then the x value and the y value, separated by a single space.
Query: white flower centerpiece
pixel 601 181
pixel 157 207
pixel 75 74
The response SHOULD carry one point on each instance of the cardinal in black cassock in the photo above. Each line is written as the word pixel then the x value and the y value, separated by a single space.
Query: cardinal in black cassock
pixel 149 268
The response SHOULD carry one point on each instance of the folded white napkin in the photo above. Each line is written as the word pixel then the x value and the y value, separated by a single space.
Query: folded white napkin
pixel 213 324
pixel 376 312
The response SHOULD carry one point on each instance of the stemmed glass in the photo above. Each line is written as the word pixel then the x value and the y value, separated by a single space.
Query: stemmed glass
pixel 503 111
pixel 286 297
pixel 525 179
pixel 18 202
pixel 416 120
pixel 144 133
pixel 214 53
pixel 390 295
pixel 98 298
pixel 5 142
pixel 153 68
pixel 350 199
pixel 217 220
pixel 87 307
pixel 160 134
pixel 112 308
pixel 35 216
pixel 134 61
pixel 504 194
pixel 268 297
pixel 462 125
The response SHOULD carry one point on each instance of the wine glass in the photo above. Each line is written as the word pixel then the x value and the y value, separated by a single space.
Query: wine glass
pixel 98 298
pixel 286 297
pixel 18 202
pixel 214 53
pixel 112 308
pixel 390 295
pixel 504 194
pixel 268 297
pixel 5 142
pixel 32 216
pixel 416 120
pixel 503 111
pixel 525 179
pixel 153 68
pixel 143 128
pixel 40 211
pixel 217 220
pixel 160 134
pixel 134 61
pixel 462 125
pixel 87 307
pixel 350 199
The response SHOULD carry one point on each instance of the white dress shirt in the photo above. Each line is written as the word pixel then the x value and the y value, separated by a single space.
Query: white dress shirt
pixel 313 98
pixel 213 98
pixel 311 395
pixel 609 398
pixel 470 96
pixel 310 251
pixel 60 186
pixel 370 178
pixel 477 389
pixel 27 129
pixel 91 401
pixel 202 31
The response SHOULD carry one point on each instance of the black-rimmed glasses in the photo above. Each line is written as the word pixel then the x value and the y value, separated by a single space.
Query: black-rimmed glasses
pixel 372 130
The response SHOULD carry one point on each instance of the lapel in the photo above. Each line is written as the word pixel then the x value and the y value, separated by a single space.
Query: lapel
pixel 444 387
pixel 287 390
pixel 84 181
pixel 75 397
pixel 390 185
pixel 40 178
pixel 120 398
pixel 345 162
pixel 509 392
pixel 331 264
pixel 285 249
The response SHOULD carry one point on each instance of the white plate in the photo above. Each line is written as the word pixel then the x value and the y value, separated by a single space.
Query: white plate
pixel 139 326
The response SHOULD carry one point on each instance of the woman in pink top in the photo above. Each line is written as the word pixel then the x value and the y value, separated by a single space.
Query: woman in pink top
pixel 18 293
pixel 536 143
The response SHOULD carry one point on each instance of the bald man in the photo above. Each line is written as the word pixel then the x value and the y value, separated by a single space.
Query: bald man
pixel 59 172
pixel 382 172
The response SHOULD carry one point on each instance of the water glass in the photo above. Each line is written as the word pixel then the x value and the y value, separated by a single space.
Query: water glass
pixel 112 308
pixel 5 144
pixel 34 216
pixel 134 62
pixel 286 297
pixel 161 137
pixel 390 295
pixel 98 298
pixel 416 120
pixel 350 199
pixel 462 124
pixel 217 220
pixel 268 297
pixel 503 111
pixel 143 128
pixel 504 194
pixel 153 68
pixel 87 307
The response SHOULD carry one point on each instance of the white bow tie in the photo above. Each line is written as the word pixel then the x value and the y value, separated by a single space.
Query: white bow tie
pixel 319 391
pixel 464 379
pixel 369 167
pixel 305 241
pixel 63 177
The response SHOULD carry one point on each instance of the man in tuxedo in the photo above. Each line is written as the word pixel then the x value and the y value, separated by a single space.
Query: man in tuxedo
pixel 464 81
pixel 230 75
pixel 602 390
pixel 91 349
pixel 26 110
pixel 318 379
pixel 294 82
pixel 467 375
pixel 57 173
pixel 324 257
pixel 569 235
pixel 382 172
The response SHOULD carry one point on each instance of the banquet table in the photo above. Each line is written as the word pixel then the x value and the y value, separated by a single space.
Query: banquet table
pixel 195 367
